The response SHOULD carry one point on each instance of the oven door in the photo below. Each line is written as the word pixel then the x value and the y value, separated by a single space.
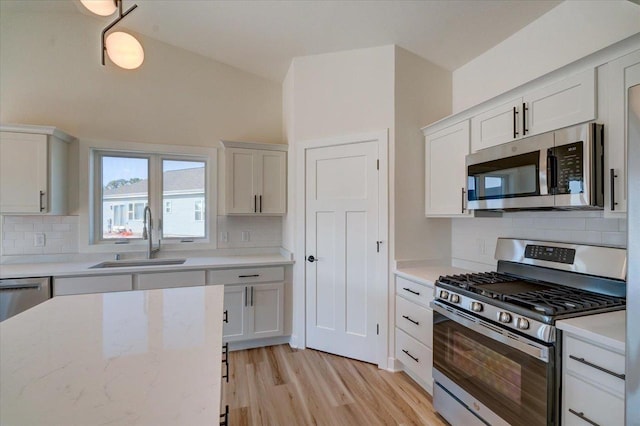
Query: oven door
pixel 512 175
pixel 500 377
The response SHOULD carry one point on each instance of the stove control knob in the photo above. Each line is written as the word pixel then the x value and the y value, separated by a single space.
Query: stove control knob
pixel 444 294
pixel 522 324
pixel 504 317
pixel 454 298
pixel 476 307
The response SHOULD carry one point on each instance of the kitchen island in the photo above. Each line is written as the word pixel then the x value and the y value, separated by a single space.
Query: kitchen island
pixel 141 357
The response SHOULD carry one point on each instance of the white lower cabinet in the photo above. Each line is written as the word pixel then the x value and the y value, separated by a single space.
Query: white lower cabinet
pixel 153 280
pixel 414 330
pixel 592 383
pixel 253 311
pixel 92 284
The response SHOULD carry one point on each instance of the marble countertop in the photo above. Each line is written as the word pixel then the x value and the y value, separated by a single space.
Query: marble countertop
pixel 428 274
pixel 608 329
pixel 68 269
pixel 132 358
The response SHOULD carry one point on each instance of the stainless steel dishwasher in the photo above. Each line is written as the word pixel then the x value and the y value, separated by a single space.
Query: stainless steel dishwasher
pixel 17 295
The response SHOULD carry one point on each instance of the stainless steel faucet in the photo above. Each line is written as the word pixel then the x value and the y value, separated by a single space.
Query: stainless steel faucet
pixel 149 235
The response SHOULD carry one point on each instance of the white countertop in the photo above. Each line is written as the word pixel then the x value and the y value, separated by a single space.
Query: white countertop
pixel 607 329
pixel 428 275
pixel 133 358
pixel 68 269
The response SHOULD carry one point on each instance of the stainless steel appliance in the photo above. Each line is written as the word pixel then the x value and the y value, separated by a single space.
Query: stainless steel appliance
pixel 561 169
pixel 496 350
pixel 632 381
pixel 17 295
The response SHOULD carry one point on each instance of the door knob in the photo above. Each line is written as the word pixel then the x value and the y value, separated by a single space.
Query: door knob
pixel 311 259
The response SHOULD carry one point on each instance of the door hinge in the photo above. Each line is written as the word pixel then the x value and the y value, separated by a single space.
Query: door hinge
pixel 378 329
pixel 377 164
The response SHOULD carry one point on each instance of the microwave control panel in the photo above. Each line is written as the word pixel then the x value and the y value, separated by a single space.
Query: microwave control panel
pixel 550 254
pixel 570 160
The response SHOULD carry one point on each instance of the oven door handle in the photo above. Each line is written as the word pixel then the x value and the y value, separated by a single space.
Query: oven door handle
pixel 493 332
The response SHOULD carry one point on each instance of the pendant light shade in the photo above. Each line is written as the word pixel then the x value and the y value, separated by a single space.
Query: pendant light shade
pixel 100 7
pixel 124 50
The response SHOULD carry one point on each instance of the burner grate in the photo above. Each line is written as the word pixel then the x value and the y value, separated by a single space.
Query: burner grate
pixel 556 301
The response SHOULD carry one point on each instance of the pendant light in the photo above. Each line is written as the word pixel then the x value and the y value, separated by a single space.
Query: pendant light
pixel 123 49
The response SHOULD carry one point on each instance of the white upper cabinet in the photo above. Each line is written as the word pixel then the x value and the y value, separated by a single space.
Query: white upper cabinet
pixel 445 171
pixel 566 102
pixel 33 170
pixel 622 73
pixel 256 180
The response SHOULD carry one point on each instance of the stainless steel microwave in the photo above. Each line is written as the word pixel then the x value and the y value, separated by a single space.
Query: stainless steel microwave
pixel 561 170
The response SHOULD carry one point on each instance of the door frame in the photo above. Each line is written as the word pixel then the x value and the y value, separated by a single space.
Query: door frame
pixel 299 330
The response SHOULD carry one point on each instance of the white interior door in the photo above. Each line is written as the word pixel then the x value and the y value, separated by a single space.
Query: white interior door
pixel 341 233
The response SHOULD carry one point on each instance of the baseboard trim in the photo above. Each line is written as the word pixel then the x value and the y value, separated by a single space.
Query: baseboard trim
pixel 258 343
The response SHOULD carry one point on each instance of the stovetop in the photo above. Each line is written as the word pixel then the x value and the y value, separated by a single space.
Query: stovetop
pixel 536 299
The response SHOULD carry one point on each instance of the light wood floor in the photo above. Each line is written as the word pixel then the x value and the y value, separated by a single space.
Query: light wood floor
pixel 279 385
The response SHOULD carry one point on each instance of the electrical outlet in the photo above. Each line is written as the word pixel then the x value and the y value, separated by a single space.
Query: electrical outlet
pixel 224 237
pixel 245 236
pixel 38 239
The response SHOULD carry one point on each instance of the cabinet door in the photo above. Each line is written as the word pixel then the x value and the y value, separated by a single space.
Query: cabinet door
pixel 569 101
pixel 496 126
pixel 240 179
pixel 623 73
pixel 445 171
pixel 266 302
pixel 85 285
pixel 169 279
pixel 235 304
pixel 23 173
pixel 270 180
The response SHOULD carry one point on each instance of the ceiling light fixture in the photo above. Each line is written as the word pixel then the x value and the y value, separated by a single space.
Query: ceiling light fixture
pixel 123 49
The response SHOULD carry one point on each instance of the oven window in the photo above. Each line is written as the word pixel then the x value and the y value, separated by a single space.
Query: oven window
pixel 516 386
pixel 510 177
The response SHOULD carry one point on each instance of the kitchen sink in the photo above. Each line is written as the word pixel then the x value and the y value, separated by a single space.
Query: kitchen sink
pixel 137 262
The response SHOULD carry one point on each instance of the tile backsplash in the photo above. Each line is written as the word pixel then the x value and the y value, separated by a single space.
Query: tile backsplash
pixel 19 233
pixel 474 240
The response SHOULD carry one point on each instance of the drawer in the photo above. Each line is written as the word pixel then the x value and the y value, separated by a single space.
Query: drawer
pixel 245 275
pixel 587 360
pixel 413 291
pixel 584 399
pixel 414 356
pixel 93 284
pixel 415 320
pixel 169 280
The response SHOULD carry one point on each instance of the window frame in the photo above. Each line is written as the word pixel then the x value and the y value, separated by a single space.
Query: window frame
pixel 89 207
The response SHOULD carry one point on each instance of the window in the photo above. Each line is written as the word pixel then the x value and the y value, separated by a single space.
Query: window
pixel 174 187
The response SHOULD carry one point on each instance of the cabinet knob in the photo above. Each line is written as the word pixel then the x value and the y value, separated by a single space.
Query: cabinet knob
pixel 311 259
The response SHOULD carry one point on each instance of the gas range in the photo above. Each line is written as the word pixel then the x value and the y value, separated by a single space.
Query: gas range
pixel 496 350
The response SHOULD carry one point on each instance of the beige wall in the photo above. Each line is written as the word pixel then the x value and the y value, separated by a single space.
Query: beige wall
pixel 566 33
pixel 50 74
pixel 422 96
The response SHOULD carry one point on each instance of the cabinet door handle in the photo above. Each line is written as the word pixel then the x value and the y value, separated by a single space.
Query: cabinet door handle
pixel 249 276
pixel 255 204
pixel 42 206
pixel 409 319
pixel 515 122
pixel 261 204
pixel 251 296
pixel 524 118
pixel 225 360
pixel 417 293
pixel 583 417
pixel 246 295
pixel 225 317
pixel 597 367
pixel 409 355
pixel 612 181
pixel 224 417
pixel 462 200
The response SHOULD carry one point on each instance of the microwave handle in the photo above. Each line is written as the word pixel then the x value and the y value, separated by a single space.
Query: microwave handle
pixel 552 172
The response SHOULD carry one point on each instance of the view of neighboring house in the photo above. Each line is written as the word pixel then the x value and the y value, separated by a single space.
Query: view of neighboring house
pixel 183 205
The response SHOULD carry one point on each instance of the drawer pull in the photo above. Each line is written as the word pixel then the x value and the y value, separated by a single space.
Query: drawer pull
pixel 225 360
pixel 224 417
pixel 597 367
pixel 225 317
pixel 409 355
pixel 249 276
pixel 417 293
pixel 409 319
pixel 583 417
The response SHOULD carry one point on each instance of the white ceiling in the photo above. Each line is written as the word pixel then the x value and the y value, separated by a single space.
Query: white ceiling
pixel 263 36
